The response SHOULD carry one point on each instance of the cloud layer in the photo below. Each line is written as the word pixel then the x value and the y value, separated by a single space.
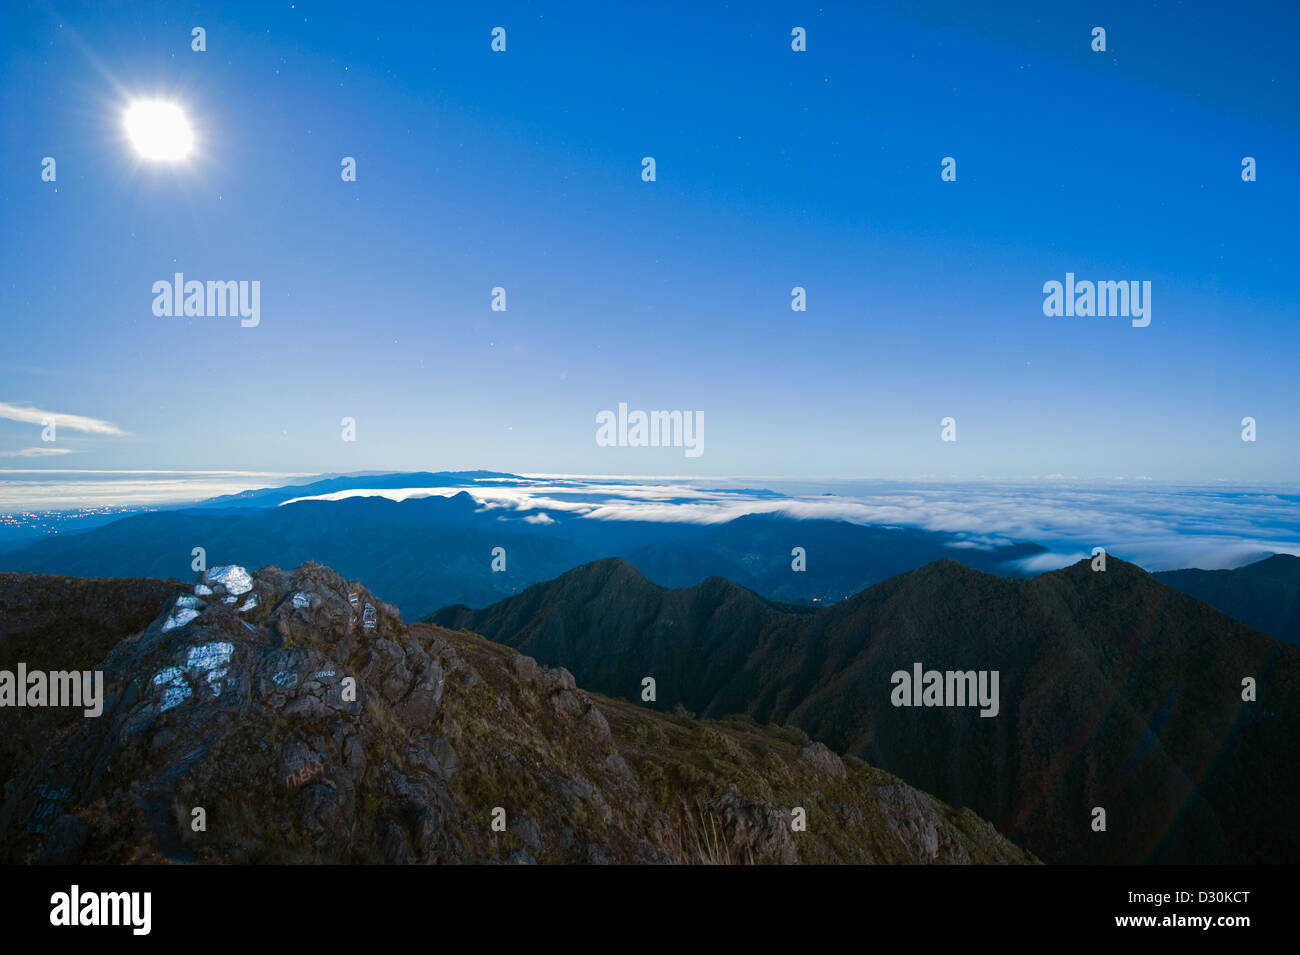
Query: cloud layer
pixel 1160 527
pixel 35 453
pixel 71 422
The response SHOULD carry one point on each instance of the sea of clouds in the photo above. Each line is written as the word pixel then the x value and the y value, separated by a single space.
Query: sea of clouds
pixel 1160 527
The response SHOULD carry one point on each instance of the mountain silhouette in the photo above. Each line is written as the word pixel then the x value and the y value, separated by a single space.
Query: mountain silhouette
pixel 1265 594
pixel 1116 692
pixel 426 553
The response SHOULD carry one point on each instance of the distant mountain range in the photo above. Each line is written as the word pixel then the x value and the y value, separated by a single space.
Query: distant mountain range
pixel 1116 692
pixel 332 484
pixel 1265 594
pixel 428 552
pixel 424 553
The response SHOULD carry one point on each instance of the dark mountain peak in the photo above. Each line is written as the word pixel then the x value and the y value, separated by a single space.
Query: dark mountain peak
pixel 1276 567
pixel 614 573
pixel 604 566
pixel 1264 594
pixel 924 584
pixel 722 583
pixel 947 567
pixel 599 583
pixel 621 579
pixel 1081 573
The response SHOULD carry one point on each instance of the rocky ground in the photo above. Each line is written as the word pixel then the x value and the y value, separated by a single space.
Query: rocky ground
pixel 295 717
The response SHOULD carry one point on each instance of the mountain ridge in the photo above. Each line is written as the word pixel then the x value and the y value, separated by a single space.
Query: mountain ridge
pixel 1114 688
pixel 1264 594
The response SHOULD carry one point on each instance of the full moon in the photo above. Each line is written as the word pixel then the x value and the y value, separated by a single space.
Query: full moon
pixel 159 130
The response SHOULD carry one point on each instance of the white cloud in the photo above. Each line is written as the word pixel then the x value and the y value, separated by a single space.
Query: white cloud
pixel 1049 560
pixel 30 489
pixel 35 452
pixel 72 422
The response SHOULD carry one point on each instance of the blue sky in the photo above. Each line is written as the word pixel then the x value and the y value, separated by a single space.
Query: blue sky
pixel 775 169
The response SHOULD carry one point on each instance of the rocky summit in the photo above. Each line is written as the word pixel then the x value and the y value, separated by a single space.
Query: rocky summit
pixel 295 717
